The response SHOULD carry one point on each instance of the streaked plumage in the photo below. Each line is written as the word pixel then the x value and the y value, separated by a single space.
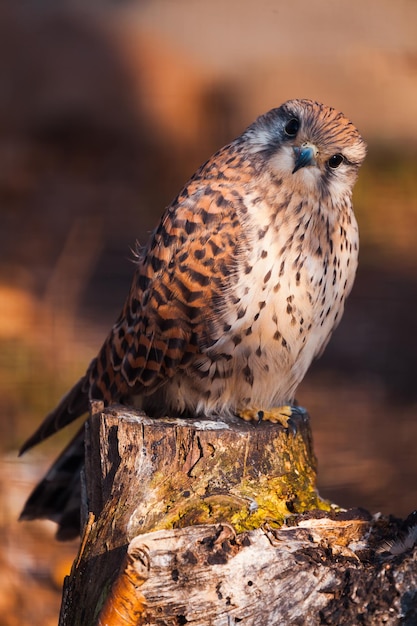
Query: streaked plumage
pixel 239 287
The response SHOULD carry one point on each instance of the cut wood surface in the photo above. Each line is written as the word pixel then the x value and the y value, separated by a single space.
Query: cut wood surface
pixel 209 522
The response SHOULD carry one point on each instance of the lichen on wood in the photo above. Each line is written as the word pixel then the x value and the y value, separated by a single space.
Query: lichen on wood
pixel 213 523
pixel 176 472
pixel 145 475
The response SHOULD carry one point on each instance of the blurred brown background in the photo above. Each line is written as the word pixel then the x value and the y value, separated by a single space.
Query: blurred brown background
pixel 105 112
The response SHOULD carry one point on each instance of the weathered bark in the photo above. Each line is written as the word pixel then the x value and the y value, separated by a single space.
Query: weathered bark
pixel 209 523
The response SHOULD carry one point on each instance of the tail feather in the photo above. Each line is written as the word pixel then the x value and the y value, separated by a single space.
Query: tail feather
pixel 72 405
pixel 58 496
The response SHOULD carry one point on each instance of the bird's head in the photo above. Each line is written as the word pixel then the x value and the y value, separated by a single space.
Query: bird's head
pixel 308 144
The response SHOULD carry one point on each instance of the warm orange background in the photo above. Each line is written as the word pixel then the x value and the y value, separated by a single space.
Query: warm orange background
pixel 104 113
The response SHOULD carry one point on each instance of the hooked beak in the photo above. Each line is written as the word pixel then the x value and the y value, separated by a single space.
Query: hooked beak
pixel 305 155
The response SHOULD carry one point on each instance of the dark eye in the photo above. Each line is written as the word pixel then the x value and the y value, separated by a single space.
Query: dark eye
pixel 291 127
pixel 335 161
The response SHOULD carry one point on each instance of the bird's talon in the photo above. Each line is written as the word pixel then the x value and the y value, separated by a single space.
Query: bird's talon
pixel 276 415
pixel 291 427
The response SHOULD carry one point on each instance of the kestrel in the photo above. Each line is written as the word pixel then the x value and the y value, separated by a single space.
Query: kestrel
pixel 238 289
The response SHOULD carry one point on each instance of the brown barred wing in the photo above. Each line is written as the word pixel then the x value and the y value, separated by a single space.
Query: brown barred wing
pixel 173 305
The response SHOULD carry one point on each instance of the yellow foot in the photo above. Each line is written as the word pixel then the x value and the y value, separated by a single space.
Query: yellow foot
pixel 277 415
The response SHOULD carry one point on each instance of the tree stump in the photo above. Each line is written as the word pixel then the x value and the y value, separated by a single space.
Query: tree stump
pixel 206 522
